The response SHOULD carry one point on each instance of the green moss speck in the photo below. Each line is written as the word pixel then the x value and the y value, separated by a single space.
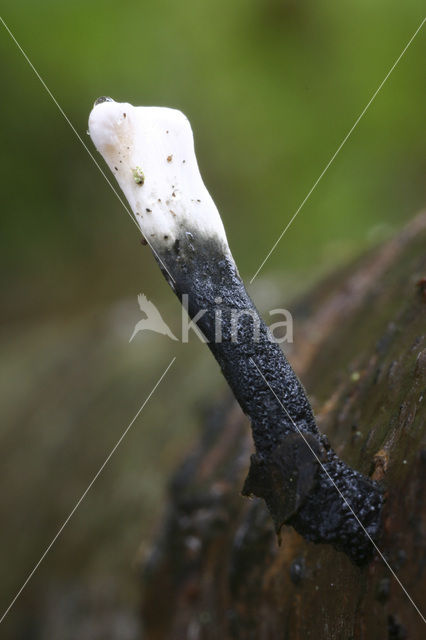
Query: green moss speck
pixel 138 176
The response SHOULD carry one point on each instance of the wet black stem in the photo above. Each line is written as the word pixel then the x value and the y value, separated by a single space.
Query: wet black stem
pixel 294 469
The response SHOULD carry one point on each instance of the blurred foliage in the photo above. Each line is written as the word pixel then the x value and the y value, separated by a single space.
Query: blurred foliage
pixel 271 88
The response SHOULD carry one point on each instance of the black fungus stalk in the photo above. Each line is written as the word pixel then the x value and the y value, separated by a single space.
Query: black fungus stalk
pixel 295 471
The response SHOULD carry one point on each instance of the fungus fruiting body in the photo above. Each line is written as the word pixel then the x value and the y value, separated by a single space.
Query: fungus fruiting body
pixel 294 469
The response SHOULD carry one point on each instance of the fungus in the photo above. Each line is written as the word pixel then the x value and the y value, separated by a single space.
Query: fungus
pixel 294 469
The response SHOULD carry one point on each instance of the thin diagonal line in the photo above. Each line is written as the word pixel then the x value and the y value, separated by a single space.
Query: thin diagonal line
pixel 343 498
pixel 333 157
pixel 86 492
pixel 67 119
pixel 83 143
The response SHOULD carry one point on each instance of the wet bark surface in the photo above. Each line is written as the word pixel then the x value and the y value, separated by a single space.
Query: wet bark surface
pixel 216 569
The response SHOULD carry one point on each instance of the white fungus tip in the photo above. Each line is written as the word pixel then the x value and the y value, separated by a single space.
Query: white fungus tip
pixel 150 151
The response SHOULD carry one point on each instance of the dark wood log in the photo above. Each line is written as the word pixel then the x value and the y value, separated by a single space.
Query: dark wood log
pixel 216 569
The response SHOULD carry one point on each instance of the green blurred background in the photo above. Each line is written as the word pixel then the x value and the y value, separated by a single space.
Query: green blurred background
pixel 271 88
